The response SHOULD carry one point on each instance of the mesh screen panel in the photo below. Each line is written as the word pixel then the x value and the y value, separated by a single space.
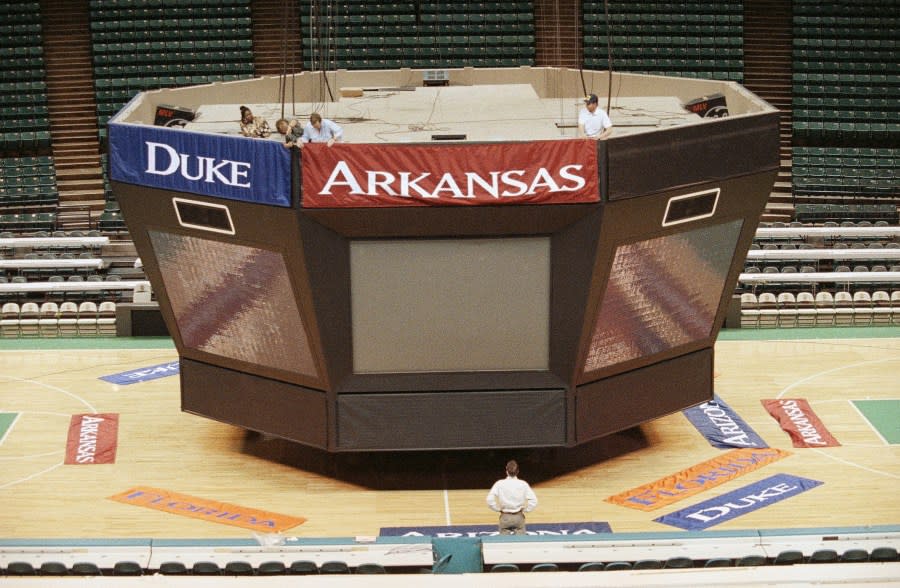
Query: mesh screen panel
pixel 662 292
pixel 233 301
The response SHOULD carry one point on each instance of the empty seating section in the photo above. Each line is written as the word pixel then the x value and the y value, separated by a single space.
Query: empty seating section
pixel 66 300
pixel 846 74
pixel 785 300
pixel 824 174
pixel 27 186
pixel 146 44
pixel 24 124
pixel 27 222
pixel 388 35
pixel 846 213
pixel 682 39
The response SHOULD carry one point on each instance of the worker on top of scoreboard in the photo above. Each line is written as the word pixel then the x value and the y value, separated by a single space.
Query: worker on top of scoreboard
pixel 253 126
pixel 317 130
pixel 593 122
pixel 291 129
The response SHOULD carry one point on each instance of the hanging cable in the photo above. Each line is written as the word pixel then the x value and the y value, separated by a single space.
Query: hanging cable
pixel 609 59
pixel 282 77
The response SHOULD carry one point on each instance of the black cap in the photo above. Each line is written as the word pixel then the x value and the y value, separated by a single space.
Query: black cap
pixel 590 99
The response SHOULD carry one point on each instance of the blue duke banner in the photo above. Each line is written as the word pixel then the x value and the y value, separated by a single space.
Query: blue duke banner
pixel 738 502
pixel 722 427
pixel 237 168
pixel 144 374
pixel 534 529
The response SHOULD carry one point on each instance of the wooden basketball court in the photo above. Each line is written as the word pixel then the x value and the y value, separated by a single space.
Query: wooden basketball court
pixel 46 382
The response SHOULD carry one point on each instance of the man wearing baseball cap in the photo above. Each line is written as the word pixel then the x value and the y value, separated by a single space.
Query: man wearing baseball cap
pixel 593 121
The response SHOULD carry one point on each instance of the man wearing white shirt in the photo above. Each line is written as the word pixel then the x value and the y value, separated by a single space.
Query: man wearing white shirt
pixel 512 498
pixel 593 122
pixel 320 130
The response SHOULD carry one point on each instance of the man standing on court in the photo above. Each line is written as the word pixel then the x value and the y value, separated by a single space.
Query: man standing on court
pixel 593 122
pixel 512 498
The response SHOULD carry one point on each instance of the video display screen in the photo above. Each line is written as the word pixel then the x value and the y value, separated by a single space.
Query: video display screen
pixel 436 305
pixel 662 293
pixel 233 301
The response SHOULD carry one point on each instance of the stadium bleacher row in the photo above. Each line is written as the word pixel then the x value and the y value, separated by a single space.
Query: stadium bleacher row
pixel 302 567
pixel 654 38
pixel 58 284
pixel 139 46
pixel 843 308
pixel 803 280
pixel 23 90
pixel 845 170
pixel 846 82
pixel 379 35
pixel 51 319
pixel 27 184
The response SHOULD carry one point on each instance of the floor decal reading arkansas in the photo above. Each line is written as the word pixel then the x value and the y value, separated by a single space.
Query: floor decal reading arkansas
pixel 696 479
pixel 93 439
pixel 208 510
pixel 798 420
pixel 738 502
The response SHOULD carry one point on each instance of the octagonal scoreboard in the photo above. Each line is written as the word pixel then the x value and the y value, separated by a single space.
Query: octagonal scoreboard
pixel 409 296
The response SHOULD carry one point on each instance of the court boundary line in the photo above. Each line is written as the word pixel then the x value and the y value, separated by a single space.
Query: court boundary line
pixel 868 422
pixel 789 387
pixel 856 465
pixel 30 477
pixel 56 388
pixel 11 425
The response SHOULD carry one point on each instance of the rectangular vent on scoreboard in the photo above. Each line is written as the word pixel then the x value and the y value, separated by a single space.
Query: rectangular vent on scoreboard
pixel 691 207
pixel 204 216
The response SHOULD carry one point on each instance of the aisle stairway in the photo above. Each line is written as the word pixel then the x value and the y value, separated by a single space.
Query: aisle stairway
pixel 767 73
pixel 72 110
pixel 558 33
pixel 276 37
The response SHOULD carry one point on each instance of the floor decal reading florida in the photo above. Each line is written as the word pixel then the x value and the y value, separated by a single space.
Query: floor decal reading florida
pixel 738 502
pixel 208 510
pixel 696 479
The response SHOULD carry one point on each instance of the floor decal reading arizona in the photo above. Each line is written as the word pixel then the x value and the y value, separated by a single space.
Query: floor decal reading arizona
pixel 722 426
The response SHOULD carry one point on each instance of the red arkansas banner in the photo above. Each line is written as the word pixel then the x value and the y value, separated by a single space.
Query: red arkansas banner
pixel 93 438
pixel 800 422
pixel 348 175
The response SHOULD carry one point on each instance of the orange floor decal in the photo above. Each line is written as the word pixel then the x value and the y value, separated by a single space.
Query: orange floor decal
pixel 698 478
pixel 209 510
